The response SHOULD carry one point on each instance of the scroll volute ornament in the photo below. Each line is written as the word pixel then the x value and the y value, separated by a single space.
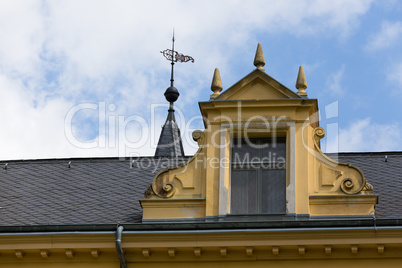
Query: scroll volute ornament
pixel 165 183
pixel 161 186
pixel 198 136
pixel 352 180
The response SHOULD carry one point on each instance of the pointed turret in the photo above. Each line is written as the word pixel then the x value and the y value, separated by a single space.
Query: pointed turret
pixel 216 85
pixel 259 60
pixel 170 144
pixel 301 83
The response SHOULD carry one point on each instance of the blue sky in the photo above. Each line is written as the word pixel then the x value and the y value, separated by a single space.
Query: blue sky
pixel 86 78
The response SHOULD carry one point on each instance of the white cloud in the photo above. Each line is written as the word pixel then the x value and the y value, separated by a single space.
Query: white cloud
pixel 57 54
pixel 35 130
pixel 394 76
pixel 333 84
pixel 389 35
pixel 21 27
pixel 364 135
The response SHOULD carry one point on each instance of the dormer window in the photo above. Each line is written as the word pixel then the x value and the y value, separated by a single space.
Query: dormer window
pixel 258 135
pixel 258 175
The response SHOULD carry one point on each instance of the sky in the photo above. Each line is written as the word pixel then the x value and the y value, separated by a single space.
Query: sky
pixel 86 78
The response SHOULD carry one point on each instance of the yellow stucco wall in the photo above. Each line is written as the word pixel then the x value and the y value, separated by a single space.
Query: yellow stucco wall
pixel 305 248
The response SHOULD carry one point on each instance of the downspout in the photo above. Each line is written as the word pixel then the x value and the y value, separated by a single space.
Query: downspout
pixel 119 250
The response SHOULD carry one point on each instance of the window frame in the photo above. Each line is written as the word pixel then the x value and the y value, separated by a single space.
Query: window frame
pixel 258 169
pixel 230 131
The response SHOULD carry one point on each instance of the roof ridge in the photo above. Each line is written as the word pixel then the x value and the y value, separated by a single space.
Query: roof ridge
pixel 90 159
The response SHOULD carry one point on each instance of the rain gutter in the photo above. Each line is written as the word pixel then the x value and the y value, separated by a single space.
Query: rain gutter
pixel 119 249
pixel 204 227
pixel 270 230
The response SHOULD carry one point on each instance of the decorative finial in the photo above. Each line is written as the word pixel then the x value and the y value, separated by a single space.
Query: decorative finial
pixel 216 85
pixel 171 93
pixel 259 60
pixel 301 83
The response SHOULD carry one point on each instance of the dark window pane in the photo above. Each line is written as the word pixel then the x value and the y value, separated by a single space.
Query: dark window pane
pixel 244 150
pixel 273 191
pixel 275 149
pixel 244 192
pixel 258 179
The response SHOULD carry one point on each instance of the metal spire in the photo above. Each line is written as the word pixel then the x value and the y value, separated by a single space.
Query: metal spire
pixel 174 56
pixel 171 93
pixel 171 73
pixel 170 143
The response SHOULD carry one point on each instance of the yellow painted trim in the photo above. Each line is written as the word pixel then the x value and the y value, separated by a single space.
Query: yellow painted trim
pixel 342 199
pixel 173 208
pixel 352 246
pixel 327 205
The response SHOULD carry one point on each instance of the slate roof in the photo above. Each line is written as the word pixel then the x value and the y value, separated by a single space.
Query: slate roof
pixel 108 190
pixel 91 191
pixel 386 178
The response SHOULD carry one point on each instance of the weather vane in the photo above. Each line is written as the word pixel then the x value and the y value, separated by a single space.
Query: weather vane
pixel 174 56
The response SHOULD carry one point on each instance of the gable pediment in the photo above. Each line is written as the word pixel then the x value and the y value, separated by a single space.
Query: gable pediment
pixel 257 85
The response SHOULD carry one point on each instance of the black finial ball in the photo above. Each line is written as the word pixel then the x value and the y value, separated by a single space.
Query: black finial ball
pixel 171 94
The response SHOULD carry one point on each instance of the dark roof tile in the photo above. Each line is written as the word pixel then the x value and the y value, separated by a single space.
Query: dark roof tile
pixel 92 191
pixel 107 190
pixel 386 178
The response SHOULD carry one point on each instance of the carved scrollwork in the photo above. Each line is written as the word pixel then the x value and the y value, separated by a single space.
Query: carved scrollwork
pixel 169 189
pixel 347 184
pixel 368 187
pixel 163 188
pixel 319 133
pixel 160 187
pixel 172 180
pixel 352 180
pixel 198 136
pixel 149 192
pixel 351 185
